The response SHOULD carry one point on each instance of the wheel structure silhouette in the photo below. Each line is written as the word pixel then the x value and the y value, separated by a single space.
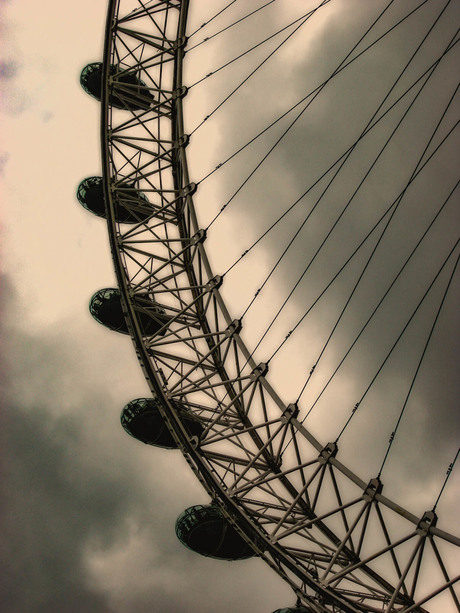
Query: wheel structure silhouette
pixel 278 492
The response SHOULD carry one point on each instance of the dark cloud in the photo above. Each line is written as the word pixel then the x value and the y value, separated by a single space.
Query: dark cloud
pixel 55 500
pixel 88 514
pixel 48 518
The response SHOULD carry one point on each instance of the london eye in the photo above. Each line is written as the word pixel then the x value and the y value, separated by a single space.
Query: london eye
pixel 340 293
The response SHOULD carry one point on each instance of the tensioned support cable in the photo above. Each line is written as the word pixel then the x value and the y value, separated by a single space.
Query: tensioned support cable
pixel 324 2
pixel 448 473
pixel 343 163
pixel 338 219
pixel 317 92
pixel 388 290
pixel 414 176
pixel 375 310
pixel 303 317
pixel 399 337
pixel 430 335
pixel 212 18
pixel 238 57
pixel 395 206
pixel 312 370
pixel 319 87
pixel 205 40
pixel 331 167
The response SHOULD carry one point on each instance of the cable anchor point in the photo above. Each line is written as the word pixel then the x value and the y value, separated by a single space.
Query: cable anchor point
pixel 428 521
pixel 328 452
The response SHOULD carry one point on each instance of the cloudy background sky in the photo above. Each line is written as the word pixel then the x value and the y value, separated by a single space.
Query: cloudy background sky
pixel 88 519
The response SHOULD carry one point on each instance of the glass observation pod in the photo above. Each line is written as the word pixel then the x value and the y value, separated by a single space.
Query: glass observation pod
pixel 205 530
pixel 105 307
pixel 142 419
pixel 131 206
pixel 127 91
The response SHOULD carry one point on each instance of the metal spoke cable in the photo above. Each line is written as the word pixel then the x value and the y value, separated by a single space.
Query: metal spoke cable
pixel 334 278
pixel 394 344
pixel 340 216
pixel 322 3
pixel 430 335
pixel 319 87
pixel 331 167
pixel 420 5
pixel 314 93
pixel 259 44
pixel 395 206
pixel 336 173
pixel 373 313
pixel 212 18
pixel 205 40
pixel 392 208
pixel 448 473
pixel 425 163
pixel 354 253
pixel 358 336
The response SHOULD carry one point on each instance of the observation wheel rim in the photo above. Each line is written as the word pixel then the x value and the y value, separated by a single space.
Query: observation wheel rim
pixel 229 505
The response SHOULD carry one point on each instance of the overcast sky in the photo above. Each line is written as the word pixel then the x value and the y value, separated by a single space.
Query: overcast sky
pixel 89 514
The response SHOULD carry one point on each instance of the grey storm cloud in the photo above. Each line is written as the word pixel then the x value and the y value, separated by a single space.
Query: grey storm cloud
pixel 88 513
pixel 58 497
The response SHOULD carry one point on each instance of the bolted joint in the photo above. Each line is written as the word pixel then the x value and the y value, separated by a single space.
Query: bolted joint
pixel 259 371
pixel 199 237
pixel 374 487
pixel 189 189
pixel 214 283
pixel 180 92
pixel 234 328
pixel 180 43
pixel 290 412
pixel 183 141
pixel 328 452
pixel 429 520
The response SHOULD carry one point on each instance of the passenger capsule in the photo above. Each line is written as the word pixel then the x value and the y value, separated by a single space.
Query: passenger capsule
pixel 105 307
pixel 131 206
pixel 206 531
pixel 127 91
pixel 142 419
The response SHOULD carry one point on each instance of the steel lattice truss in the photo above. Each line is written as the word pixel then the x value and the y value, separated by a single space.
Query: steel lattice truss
pixel 335 539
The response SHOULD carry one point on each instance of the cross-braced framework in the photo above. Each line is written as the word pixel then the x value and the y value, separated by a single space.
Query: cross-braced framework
pixel 335 539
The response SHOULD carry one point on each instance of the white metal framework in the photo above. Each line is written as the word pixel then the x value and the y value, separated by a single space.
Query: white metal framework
pixel 337 540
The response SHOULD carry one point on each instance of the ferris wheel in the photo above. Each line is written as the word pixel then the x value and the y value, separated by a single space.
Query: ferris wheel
pixel 278 490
